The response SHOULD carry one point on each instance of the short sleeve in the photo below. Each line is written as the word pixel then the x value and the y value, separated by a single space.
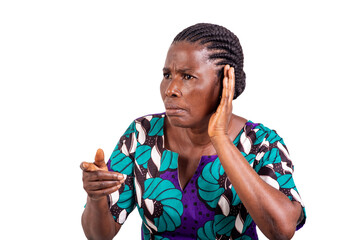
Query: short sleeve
pixel 122 202
pixel 274 166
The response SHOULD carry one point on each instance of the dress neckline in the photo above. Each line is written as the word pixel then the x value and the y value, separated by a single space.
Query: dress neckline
pixel 203 159
pixel 235 140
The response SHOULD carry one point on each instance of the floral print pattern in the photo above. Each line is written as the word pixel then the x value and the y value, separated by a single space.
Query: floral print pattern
pixel 208 207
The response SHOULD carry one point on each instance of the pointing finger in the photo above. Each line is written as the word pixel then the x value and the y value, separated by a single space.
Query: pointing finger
pixel 84 166
pixel 88 167
pixel 105 175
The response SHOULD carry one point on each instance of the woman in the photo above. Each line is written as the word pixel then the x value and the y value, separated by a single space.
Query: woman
pixel 197 171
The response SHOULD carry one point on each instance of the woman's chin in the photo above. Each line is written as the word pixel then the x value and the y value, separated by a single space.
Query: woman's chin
pixel 186 122
pixel 178 121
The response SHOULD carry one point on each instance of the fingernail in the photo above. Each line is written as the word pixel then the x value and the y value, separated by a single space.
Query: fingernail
pixel 119 177
pixel 84 165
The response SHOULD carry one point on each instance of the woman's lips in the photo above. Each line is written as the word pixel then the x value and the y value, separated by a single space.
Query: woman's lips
pixel 174 111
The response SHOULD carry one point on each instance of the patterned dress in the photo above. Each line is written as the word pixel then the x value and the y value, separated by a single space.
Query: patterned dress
pixel 208 207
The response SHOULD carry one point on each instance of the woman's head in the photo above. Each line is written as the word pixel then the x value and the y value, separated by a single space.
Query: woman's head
pixel 193 73
pixel 224 48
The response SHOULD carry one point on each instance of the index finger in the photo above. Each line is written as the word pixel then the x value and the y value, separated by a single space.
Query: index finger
pixel 228 82
pixel 231 82
pixel 89 167
pixel 105 175
pixel 224 93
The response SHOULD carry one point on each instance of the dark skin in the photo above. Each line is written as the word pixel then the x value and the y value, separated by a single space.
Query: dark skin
pixel 199 132
pixel 98 182
pixel 190 91
pixel 196 124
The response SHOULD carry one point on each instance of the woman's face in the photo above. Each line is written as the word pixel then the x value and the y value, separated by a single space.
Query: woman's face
pixel 190 87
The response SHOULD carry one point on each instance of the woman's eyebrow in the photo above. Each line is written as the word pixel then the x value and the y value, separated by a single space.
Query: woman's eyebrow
pixel 184 70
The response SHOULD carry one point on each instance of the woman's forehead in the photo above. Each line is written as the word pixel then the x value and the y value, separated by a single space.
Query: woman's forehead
pixel 185 54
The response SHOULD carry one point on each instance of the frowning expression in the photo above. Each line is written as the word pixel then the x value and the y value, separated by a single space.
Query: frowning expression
pixel 190 87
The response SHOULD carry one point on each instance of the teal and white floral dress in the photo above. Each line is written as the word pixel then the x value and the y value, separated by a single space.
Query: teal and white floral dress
pixel 208 207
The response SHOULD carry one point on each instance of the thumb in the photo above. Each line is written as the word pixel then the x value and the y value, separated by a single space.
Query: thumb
pixel 100 158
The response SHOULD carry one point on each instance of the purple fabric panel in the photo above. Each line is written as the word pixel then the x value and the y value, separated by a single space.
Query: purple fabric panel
pixel 195 212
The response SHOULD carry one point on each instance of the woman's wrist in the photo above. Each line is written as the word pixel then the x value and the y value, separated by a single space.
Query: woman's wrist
pixel 97 202
pixel 220 139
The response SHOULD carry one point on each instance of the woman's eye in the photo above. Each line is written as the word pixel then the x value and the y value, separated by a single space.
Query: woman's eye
pixel 166 75
pixel 187 77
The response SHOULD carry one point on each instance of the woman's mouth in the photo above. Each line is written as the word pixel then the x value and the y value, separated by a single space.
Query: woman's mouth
pixel 174 111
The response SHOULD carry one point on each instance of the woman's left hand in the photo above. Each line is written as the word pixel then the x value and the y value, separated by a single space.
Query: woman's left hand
pixel 219 121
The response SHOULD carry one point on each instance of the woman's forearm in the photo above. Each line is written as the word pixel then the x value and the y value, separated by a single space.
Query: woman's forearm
pixel 270 209
pixel 97 220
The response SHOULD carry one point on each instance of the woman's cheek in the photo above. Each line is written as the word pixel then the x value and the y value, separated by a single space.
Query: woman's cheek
pixel 163 89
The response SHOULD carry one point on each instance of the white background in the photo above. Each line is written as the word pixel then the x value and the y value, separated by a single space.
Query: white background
pixel 74 74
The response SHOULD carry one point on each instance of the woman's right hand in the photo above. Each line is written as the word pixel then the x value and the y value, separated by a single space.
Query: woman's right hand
pixel 98 182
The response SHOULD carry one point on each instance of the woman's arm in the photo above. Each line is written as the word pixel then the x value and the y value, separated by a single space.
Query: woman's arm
pixel 97 220
pixel 270 209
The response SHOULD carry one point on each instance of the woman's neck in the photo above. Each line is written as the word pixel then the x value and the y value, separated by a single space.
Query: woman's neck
pixel 198 136
pixel 181 137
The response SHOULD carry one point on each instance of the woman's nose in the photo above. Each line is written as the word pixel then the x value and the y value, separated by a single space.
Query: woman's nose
pixel 174 89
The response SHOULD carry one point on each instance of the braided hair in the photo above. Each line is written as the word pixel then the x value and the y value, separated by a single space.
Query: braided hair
pixel 224 47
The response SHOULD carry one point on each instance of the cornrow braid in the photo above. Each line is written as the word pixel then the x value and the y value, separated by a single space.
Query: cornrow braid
pixel 225 49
